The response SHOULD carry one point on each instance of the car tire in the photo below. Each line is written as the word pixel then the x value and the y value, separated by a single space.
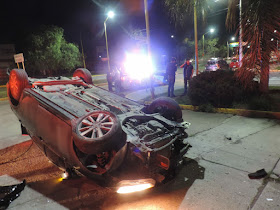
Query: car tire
pixel 98 132
pixel 84 74
pixel 167 107
pixel 18 80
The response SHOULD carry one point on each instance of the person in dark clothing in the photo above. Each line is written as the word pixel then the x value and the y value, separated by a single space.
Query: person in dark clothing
pixel 110 80
pixel 188 73
pixel 170 72
pixel 113 77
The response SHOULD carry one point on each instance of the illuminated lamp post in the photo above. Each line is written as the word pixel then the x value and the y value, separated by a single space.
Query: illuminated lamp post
pixel 110 14
pixel 212 30
pixel 232 39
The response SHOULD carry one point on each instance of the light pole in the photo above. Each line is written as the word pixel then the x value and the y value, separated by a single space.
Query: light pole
pixel 148 43
pixel 195 36
pixel 240 34
pixel 110 14
pixel 232 39
pixel 211 31
pixel 275 31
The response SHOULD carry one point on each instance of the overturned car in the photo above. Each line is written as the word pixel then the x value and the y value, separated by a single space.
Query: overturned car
pixel 89 131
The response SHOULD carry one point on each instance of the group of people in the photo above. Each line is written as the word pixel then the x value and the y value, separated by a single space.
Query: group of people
pixel 114 74
pixel 171 74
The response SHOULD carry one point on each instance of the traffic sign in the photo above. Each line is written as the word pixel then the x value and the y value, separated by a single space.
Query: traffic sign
pixel 19 58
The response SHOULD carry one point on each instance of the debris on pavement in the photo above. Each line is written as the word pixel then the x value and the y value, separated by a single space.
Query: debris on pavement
pixel 10 193
pixel 269 199
pixel 258 174
pixel 228 138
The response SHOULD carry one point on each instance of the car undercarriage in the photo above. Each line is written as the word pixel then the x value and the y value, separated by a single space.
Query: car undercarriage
pixel 87 130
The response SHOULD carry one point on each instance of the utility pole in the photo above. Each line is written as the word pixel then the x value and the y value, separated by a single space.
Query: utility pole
pixel 227 49
pixel 149 44
pixel 107 50
pixel 240 34
pixel 195 37
pixel 82 50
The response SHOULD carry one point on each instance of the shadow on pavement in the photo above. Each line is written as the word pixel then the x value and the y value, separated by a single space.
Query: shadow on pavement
pixel 26 161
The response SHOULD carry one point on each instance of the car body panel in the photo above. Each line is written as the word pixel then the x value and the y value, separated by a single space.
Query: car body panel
pixel 234 64
pixel 216 64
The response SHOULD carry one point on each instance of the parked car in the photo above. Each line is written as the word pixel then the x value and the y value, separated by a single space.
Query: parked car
pixel 215 64
pixel 87 130
pixel 234 64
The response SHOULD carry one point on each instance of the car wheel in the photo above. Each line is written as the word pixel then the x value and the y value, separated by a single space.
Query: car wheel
pixel 167 107
pixel 98 132
pixel 18 80
pixel 84 74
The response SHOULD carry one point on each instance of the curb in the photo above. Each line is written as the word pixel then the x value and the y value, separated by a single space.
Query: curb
pixel 96 75
pixel 241 112
pixel 4 99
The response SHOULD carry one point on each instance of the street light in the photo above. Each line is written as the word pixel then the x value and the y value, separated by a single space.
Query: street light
pixel 232 39
pixel 110 14
pixel 275 31
pixel 211 31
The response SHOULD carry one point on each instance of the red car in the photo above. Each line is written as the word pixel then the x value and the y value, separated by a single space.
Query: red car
pixel 87 130
pixel 234 64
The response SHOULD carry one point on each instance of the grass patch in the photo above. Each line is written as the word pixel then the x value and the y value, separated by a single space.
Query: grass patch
pixel 274 88
pixel 3 92
pixel 269 102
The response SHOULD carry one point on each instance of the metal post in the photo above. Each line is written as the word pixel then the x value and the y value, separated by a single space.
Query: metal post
pixel 203 44
pixel 147 27
pixel 148 43
pixel 195 36
pixel 107 44
pixel 240 34
pixel 227 49
pixel 82 50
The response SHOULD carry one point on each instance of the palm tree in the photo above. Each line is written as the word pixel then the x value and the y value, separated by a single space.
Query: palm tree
pixel 260 26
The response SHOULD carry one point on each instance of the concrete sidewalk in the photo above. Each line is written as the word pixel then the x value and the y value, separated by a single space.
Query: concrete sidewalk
pixel 226 148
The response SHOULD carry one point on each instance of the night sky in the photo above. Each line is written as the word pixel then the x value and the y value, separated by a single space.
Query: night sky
pixel 85 18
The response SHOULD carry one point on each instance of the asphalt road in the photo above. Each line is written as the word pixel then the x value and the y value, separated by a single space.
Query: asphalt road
pixel 226 148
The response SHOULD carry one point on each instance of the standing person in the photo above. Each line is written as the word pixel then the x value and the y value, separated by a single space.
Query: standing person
pixel 170 72
pixel 110 80
pixel 188 73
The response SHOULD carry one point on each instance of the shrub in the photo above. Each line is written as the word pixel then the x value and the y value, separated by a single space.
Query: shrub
pixel 218 88
pixel 206 108
pixel 263 103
